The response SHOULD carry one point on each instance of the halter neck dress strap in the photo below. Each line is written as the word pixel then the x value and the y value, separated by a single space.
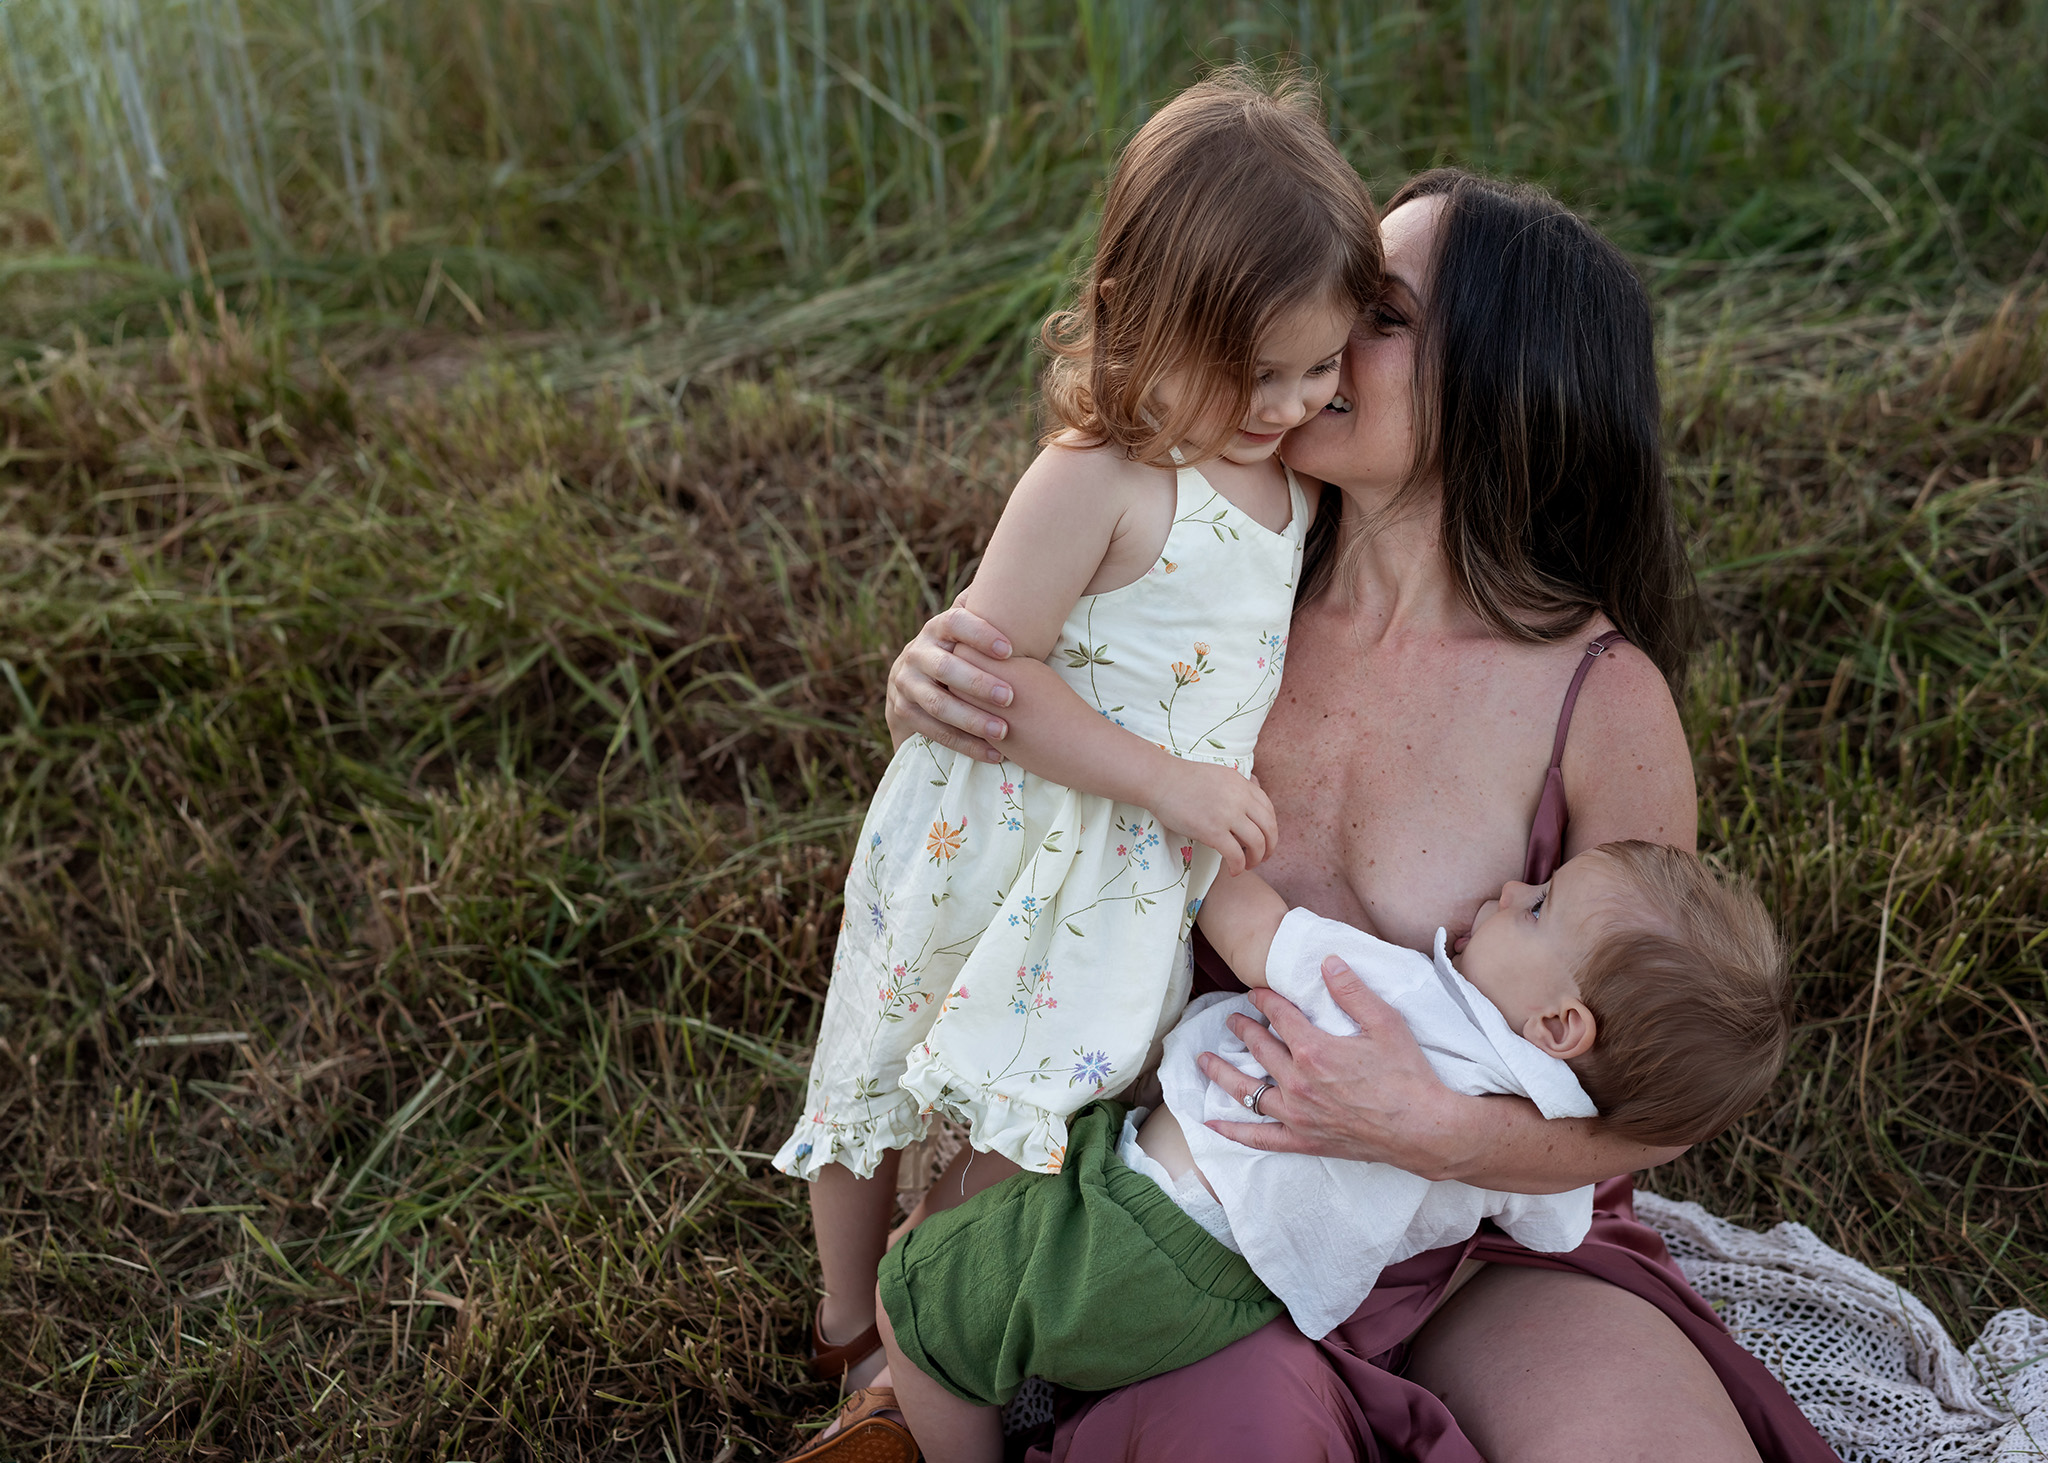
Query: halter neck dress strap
pixel 1546 831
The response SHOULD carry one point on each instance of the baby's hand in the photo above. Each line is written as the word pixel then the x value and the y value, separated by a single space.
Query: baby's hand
pixel 1219 807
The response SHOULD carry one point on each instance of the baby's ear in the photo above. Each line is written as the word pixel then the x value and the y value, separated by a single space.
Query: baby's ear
pixel 1566 1032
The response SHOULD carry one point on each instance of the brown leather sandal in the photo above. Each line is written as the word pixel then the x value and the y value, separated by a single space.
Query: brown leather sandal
pixel 831 1363
pixel 864 1436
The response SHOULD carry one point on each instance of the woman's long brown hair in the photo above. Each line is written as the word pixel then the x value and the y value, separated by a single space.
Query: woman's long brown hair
pixel 1538 411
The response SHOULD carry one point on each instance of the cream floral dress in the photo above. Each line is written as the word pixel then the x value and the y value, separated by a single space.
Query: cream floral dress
pixel 1012 949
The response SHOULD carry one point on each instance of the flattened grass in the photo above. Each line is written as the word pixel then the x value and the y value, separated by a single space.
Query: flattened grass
pixel 424 811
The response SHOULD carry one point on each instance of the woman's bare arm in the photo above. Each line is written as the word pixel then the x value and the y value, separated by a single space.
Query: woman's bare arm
pixel 936 694
pixel 1627 768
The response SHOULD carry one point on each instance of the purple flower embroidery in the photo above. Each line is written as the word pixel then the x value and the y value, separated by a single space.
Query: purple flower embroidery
pixel 1093 1068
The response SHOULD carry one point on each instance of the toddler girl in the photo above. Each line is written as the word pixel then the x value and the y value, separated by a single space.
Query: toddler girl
pixel 1014 939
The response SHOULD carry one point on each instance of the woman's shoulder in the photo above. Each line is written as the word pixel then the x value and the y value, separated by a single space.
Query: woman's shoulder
pixel 1627 765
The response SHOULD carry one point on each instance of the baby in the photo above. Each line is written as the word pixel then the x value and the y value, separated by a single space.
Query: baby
pixel 1634 983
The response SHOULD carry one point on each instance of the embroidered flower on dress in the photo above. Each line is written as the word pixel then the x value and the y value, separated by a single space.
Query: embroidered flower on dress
pixel 944 840
pixel 1092 1068
pixel 875 916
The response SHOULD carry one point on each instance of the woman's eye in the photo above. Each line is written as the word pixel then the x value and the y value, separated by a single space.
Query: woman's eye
pixel 1384 320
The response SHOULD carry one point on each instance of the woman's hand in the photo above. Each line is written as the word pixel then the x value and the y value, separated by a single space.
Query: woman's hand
pixel 1215 805
pixel 938 695
pixel 1372 1096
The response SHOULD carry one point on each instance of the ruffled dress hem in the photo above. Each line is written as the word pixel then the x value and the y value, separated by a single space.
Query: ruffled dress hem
pixel 896 1123
pixel 1032 1137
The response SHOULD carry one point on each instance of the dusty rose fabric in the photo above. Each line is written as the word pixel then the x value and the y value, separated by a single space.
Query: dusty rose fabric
pixel 1276 1394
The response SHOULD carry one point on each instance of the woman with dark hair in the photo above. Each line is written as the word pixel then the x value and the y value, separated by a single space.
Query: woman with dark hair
pixel 1496 536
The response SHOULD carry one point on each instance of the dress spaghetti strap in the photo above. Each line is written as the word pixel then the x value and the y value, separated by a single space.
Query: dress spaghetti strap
pixel 1546 830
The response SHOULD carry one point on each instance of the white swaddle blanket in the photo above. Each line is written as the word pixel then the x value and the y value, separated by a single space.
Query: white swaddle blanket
pixel 1318 1231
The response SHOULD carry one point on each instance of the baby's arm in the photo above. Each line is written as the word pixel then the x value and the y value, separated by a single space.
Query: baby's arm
pixel 1059 526
pixel 1240 916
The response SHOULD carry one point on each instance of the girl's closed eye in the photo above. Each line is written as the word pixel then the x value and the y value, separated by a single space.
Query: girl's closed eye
pixel 1536 907
pixel 1324 368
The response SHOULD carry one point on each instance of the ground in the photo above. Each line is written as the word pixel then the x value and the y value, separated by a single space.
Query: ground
pixel 426 794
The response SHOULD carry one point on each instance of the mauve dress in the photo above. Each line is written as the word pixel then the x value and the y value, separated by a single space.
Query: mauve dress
pixel 1276 1394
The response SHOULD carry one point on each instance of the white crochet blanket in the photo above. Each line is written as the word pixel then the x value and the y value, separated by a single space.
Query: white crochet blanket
pixel 1868 1364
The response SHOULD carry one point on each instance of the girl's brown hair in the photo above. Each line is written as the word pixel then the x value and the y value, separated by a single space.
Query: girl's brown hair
pixel 1537 411
pixel 1229 208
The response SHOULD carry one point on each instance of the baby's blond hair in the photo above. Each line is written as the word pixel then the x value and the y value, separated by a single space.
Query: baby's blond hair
pixel 1691 1001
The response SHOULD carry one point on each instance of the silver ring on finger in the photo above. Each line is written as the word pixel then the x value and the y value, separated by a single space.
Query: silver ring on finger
pixel 1257 1094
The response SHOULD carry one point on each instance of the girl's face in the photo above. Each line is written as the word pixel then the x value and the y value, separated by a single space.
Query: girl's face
pixel 1296 377
pixel 1364 439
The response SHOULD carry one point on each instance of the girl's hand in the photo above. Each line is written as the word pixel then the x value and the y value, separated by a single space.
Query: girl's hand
pixel 1224 809
pixel 936 694
pixel 1372 1096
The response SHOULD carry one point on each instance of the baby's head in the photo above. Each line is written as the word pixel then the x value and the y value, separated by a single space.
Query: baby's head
pixel 1236 250
pixel 1664 987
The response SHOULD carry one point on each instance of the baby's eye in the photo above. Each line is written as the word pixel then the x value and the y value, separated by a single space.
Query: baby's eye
pixel 1537 907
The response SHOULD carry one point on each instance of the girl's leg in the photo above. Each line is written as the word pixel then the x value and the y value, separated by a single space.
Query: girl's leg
pixel 947 1429
pixel 967 1175
pixel 1545 1366
pixel 850 1218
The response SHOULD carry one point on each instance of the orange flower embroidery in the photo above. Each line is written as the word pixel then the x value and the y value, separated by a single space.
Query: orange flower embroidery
pixel 1185 674
pixel 1201 649
pixel 944 841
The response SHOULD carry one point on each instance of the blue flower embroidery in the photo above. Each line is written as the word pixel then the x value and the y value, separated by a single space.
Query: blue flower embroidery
pixel 1093 1068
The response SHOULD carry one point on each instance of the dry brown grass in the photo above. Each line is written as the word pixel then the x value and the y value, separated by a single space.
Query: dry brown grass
pixel 424 816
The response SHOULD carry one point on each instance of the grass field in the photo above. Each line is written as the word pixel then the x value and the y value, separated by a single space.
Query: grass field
pixel 433 717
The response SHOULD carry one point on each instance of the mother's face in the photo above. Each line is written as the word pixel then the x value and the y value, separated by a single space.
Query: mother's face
pixel 1365 439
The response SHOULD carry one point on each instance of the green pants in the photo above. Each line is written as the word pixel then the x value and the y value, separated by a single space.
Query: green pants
pixel 1091 1277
